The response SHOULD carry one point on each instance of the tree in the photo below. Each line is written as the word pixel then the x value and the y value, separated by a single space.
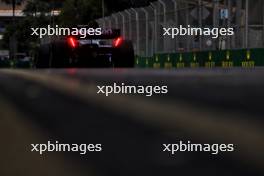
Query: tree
pixel 118 5
pixel 36 8
pixel 35 16
pixel 84 11
pixel 76 12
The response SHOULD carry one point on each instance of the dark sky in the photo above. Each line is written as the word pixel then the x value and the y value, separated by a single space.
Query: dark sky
pixel 116 5
pixel 123 4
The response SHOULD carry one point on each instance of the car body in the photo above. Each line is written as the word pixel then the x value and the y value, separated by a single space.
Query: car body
pixel 106 50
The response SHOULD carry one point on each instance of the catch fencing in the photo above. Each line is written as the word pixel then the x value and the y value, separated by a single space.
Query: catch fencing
pixel 144 26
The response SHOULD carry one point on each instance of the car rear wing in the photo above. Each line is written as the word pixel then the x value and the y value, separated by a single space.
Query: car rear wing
pixel 84 34
pixel 104 34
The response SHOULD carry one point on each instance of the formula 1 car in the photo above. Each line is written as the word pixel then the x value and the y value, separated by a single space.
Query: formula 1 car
pixel 109 49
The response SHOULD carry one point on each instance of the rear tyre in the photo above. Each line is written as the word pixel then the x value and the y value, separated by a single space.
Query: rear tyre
pixel 42 57
pixel 123 56
pixel 59 57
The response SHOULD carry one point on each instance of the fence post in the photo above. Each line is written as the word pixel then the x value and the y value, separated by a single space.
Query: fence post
pixel 116 20
pixel 147 29
pixel 104 25
pixel 176 22
pixel 129 24
pixel 246 22
pixel 123 25
pixel 200 22
pixel 137 30
pixel 164 22
pixel 155 36
pixel 187 23
pixel 239 37
pixel 216 20
pixel 229 23
pixel 113 16
pixel 99 21
pixel 263 25
pixel 109 22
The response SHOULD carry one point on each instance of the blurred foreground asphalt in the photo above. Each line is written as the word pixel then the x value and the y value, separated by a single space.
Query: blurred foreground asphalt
pixel 202 106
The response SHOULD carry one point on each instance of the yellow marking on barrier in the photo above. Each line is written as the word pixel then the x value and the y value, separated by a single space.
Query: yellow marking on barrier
pixel 156 65
pixel 227 55
pixel 227 64
pixel 181 58
pixel 248 55
pixel 168 65
pixel 248 64
pixel 194 57
pixel 210 56
pixel 194 64
pixel 157 59
pixel 210 64
pixel 180 65
pixel 147 62
pixel 168 58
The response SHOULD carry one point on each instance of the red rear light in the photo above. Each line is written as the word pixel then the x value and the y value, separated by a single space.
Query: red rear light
pixel 118 41
pixel 73 42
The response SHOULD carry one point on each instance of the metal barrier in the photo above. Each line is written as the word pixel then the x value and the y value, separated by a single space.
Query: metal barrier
pixel 247 58
pixel 144 26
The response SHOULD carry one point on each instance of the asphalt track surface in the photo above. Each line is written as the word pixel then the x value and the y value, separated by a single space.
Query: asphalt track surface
pixel 202 106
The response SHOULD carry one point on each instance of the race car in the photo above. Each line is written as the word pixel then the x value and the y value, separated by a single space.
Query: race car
pixel 109 49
